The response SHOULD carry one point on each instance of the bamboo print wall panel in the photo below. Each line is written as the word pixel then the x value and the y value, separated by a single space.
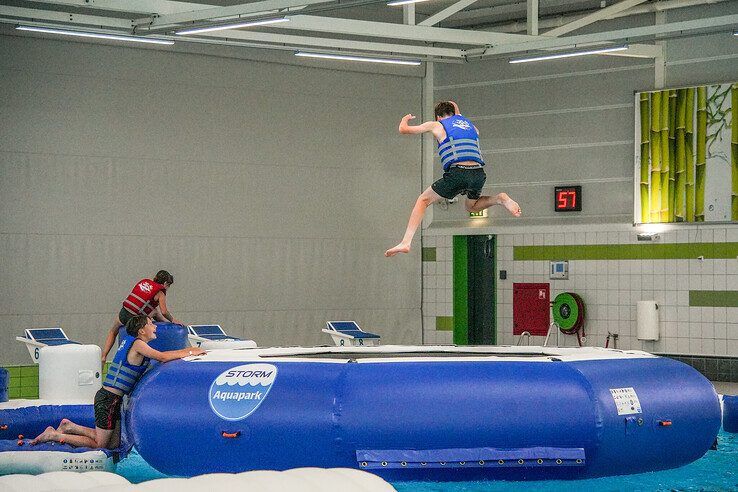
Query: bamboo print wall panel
pixel 686 155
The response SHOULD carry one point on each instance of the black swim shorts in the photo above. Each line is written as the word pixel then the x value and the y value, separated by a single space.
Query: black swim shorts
pixel 124 316
pixel 107 409
pixel 461 181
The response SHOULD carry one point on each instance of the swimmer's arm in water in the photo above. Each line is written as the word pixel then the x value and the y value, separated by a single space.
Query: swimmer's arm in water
pixel 162 312
pixel 433 127
pixel 143 348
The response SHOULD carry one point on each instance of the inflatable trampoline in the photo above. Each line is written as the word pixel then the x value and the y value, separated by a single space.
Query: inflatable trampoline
pixel 424 413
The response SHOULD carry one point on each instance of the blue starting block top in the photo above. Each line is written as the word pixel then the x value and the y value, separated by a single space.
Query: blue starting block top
pixel 37 338
pixel 49 336
pixel 350 328
pixel 210 332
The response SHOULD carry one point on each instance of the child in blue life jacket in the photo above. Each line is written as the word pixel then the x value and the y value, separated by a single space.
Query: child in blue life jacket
pixel 129 364
pixel 463 173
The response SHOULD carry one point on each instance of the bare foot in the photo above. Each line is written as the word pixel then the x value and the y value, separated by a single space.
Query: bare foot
pixel 400 248
pixel 510 204
pixel 49 434
pixel 64 426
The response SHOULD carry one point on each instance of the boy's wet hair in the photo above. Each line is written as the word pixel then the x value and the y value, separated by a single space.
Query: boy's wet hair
pixel 444 108
pixel 136 323
pixel 163 276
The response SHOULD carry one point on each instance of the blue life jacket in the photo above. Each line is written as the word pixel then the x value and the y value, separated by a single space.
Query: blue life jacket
pixel 461 143
pixel 122 375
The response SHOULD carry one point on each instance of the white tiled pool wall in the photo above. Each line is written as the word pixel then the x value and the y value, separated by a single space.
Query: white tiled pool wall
pixel 609 288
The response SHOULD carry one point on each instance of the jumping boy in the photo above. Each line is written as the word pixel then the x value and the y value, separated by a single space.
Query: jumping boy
pixel 458 147
pixel 130 362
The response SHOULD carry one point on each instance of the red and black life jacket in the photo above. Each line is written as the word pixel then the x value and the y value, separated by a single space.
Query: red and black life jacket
pixel 141 299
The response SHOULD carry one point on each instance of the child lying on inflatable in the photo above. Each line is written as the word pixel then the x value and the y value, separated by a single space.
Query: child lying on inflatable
pixel 130 362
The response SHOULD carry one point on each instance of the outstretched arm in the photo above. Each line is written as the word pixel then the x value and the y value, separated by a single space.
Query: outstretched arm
pixel 429 126
pixel 144 349
pixel 162 298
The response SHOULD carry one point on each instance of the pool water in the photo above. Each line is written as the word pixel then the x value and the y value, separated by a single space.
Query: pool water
pixel 716 471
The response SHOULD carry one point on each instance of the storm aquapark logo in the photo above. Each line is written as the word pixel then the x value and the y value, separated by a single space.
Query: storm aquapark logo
pixel 238 392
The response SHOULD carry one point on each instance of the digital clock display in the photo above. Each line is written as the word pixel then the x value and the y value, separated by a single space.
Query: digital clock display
pixel 568 199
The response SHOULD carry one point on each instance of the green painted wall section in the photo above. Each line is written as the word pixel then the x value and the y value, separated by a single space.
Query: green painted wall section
pixel 23 381
pixel 461 310
pixel 428 254
pixel 668 251
pixel 444 323
pixel 713 298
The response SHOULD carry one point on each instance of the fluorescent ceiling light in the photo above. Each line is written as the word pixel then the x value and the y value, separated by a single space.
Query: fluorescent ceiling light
pixel 569 54
pixel 98 35
pixel 395 3
pixel 329 56
pixel 197 30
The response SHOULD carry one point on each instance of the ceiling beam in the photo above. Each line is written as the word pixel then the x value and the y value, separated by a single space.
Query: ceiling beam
pixel 446 13
pixel 281 46
pixel 408 14
pixel 639 51
pixel 134 6
pixel 399 31
pixel 709 24
pixel 64 17
pixel 185 19
pixel 257 39
pixel 341 44
pixel 517 10
pixel 532 17
pixel 594 17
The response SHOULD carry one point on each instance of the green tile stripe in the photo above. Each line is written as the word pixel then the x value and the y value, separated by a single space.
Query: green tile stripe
pixel 444 323
pixel 428 254
pixel 461 309
pixel 668 251
pixel 22 381
pixel 713 298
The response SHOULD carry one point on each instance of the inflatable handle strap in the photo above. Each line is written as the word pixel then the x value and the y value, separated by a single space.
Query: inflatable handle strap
pixel 230 435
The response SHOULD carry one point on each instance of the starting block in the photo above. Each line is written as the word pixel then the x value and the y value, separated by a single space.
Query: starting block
pixel 36 338
pixel 348 333
pixel 213 337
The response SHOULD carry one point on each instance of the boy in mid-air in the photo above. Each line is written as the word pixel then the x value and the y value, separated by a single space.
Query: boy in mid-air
pixel 463 174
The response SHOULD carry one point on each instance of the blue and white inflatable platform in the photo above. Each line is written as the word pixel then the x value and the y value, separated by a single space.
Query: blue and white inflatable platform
pixel 22 420
pixel 424 412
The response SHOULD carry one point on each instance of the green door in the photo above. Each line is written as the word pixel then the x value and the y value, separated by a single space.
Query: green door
pixel 474 290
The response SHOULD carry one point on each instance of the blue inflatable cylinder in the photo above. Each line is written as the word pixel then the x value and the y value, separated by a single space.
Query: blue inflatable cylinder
pixel 4 379
pixel 508 418
pixel 730 413
pixel 169 336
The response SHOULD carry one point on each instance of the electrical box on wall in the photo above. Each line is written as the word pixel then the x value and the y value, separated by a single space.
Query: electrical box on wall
pixel 559 270
pixel 531 308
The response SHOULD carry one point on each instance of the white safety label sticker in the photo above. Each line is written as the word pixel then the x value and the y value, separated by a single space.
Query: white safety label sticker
pixel 626 401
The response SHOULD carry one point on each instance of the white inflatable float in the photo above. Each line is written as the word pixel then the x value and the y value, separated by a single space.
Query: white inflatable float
pixel 298 479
